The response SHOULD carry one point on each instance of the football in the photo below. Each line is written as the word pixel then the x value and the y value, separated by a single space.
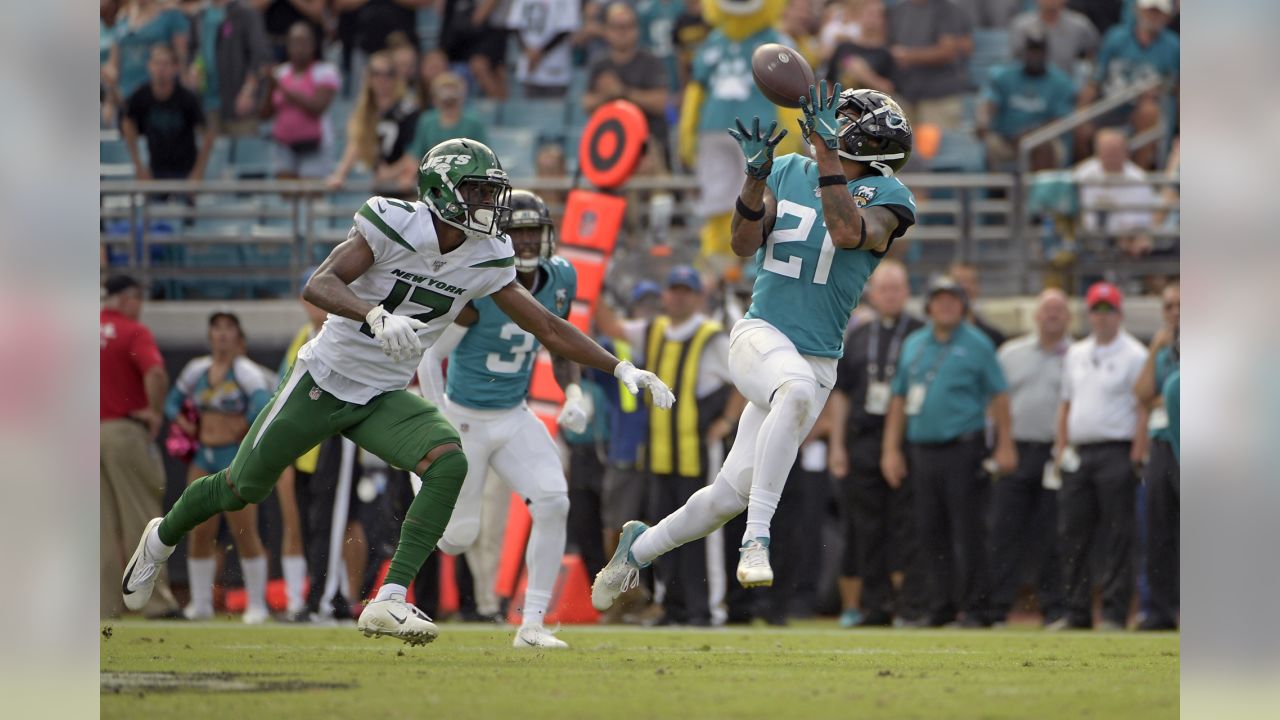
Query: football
pixel 782 74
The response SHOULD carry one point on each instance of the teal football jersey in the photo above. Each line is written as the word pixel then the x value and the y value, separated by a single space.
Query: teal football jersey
pixel 491 367
pixel 805 286
pixel 723 68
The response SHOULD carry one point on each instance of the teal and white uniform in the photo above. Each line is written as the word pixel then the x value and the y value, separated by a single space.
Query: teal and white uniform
pixel 489 372
pixel 244 390
pixel 492 366
pixel 805 286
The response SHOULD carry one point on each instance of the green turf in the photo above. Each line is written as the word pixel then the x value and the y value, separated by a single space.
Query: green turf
pixel 811 670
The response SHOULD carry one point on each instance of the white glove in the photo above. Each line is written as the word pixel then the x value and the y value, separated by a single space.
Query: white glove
pixel 577 411
pixel 634 379
pixel 396 334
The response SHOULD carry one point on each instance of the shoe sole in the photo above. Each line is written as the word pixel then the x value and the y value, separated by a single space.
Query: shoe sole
pixel 619 555
pixel 137 599
pixel 756 584
pixel 408 637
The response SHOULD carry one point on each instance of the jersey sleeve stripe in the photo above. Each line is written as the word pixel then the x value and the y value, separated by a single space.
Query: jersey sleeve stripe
pixel 498 263
pixel 368 213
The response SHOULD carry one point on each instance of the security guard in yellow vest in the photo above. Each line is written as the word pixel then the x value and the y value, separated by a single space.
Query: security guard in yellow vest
pixel 691 353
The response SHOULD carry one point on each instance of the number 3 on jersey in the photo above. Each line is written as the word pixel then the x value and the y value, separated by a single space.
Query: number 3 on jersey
pixel 793 266
pixel 519 353
pixel 435 303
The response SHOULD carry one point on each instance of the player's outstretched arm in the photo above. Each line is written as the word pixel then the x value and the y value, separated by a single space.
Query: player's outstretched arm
pixel 327 289
pixel 563 339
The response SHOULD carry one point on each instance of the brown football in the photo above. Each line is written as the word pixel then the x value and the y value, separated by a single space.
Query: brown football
pixel 782 74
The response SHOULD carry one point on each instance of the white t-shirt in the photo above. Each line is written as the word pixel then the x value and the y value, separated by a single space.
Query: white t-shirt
pixel 411 277
pixel 1098 382
pixel 713 370
pixel 1095 198
pixel 538 21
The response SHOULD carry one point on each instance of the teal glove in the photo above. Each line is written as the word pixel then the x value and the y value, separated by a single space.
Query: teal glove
pixel 757 148
pixel 820 115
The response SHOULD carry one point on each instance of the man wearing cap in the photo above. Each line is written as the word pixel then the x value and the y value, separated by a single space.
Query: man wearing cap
pixel 1020 97
pixel 134 383
pixel 1100 441
pixel 685 447
pixel 1024 505
pixel 948 378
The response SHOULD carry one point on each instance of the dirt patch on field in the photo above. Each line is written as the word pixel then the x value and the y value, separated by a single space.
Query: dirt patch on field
pixel 117 682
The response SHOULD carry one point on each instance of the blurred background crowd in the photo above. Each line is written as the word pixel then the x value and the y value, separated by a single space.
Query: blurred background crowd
pixel 1039 481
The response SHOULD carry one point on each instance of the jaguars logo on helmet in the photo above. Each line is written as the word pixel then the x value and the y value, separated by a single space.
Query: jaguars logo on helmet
pixel 463 183
pixel 875 130
pixel 528 211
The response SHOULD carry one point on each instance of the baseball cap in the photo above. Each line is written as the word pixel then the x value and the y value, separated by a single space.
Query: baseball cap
pixel 684 276
pixel 1103 292
pixel 1036 40
pixel 946 284
pixel 1164 6
pixel 644 289
pixel 117 284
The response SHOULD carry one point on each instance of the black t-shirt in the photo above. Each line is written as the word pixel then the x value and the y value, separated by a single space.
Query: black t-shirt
pixel 854 374
pixel 279 16
pixel 379 18
pixel 395 131
pixel 643 71
pixel 170 128
pixel 879 58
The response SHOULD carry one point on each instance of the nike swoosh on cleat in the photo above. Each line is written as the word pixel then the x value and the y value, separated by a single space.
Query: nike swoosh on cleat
pixel 128 574
pixel 397 619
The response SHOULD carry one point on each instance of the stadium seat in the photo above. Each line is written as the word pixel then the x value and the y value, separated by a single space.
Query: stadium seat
pixel 545 117
pixel 251 157
pixel 959 152
pixel 487 109
pixel 514 147
pixel 990 48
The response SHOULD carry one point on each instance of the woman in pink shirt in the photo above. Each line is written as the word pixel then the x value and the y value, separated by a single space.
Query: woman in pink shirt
pixel 302 90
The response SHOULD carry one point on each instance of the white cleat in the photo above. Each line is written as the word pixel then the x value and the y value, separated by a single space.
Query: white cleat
pixel 753 564
pixel 537 636
pixel 140 574
pixel 255 615
pixel 191 612
pixel 396 618
pixel 622 571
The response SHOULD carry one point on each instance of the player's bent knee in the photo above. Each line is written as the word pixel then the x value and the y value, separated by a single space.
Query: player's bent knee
pixel 436 453
pixel 796 397
pixel 552 508
pixel 459 539
pixel 246 489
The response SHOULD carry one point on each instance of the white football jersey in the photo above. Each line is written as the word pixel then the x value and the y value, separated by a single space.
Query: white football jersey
pixel 411 277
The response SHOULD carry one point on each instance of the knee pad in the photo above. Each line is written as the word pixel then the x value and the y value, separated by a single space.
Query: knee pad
pixel 444 477
pixel 796 397
pixel 726 501
pixel 249 490
pixel 550 508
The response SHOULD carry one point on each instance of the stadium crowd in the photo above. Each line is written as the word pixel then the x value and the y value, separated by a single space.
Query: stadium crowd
pixel 1039 462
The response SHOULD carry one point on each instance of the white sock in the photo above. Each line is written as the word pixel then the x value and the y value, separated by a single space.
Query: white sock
pixel 255 581
pixel 543 555
pixel 535 607
pixel 200 580
pixel 155 549
pixel 706 510
pixel 295 580
pixel 761 504
pixel 389 589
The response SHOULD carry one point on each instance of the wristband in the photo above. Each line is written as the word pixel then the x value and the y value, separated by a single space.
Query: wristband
pixel 747 213
pixel 826 180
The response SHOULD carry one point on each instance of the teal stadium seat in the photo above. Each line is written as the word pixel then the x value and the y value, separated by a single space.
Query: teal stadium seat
pixel 251 157
pixel 545 117
pixel 959 152
pixel 990 48
pixel 515 148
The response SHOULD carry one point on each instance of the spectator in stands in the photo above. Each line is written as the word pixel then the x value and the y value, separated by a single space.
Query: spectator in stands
pixel 1133 54
pixel 141 25
pixel 1072 39
pixel 991 13
pixel 404 58
pixel 967 274
pixel 549 162
pixel 1104 14
pixel 631 72
pixel 684 449
pixel 449 119
pixel 1021 97
pixel 1099 444
pixel 232 56
pixel 302 90
pixel 865 61
pixel 131 478
pixel 689 32
pixel 1024 506
pixel 1162 480
pixel 1115 200
pixel 880 542
pixel 228 391
pixel 931 41
pixel 471 35
pixel 380 128
pixel 801 23
pixel 168 115
pixel 434 63
pixel 543 30
pixel 948 380
pixel 280 15
pixel 841 23
pixel 657 25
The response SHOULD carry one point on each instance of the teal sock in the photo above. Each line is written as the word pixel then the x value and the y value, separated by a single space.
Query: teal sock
pixel 203 499
pixel 428 516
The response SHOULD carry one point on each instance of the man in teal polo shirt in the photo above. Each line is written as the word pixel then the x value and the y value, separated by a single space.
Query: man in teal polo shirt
pixel 948 379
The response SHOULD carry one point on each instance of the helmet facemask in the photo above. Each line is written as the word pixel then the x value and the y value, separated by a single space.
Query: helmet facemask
pixel 465 187
pixel 531 242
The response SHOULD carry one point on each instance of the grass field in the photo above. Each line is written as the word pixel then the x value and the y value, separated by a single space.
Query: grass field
pixel 809 670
